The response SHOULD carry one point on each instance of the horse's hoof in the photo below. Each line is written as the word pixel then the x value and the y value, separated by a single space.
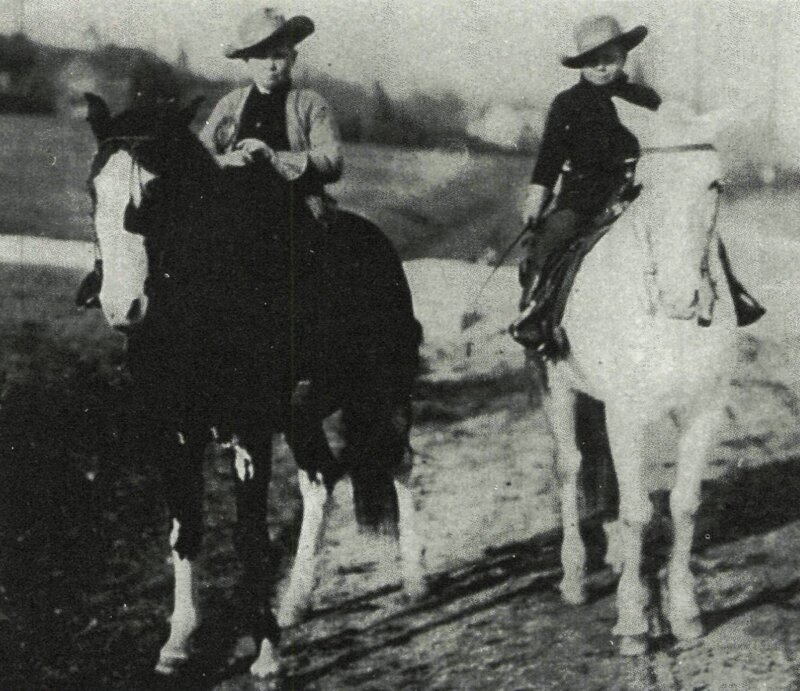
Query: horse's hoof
pixel 266 667
pixel 171 663
pixel 630 646
pixel 414 590
pixel 687 629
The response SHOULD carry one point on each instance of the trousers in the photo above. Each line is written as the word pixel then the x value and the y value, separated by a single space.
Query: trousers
pixel 556 233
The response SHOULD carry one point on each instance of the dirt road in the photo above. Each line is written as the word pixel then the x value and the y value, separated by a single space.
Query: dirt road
pixel 489 518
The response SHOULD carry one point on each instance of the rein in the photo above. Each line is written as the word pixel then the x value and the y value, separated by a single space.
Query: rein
pixel 677 149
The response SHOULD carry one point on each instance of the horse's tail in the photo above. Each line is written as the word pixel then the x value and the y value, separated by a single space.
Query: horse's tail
pixel 386 337
pixel 381 453
pixel 375 501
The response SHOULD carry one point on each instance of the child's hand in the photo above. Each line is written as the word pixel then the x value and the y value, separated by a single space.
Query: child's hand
pixel 235 159
pixel 255 147
pixel 534 204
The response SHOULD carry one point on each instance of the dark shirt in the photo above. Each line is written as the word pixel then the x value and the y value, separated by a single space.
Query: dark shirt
pixel 264 118
pixel 583 128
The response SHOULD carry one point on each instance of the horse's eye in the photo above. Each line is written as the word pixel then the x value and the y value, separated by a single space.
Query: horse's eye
pixel 717 186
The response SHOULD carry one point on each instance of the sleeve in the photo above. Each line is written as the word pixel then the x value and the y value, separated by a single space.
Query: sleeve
pixel 219 129
pixel 322 158
pixel 553 148
pixel 653 100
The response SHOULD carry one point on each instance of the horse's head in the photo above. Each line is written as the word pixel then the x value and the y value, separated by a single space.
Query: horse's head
pixel 675 215
pixel 134 148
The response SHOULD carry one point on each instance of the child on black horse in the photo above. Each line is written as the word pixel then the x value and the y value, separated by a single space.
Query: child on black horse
pixel 585 142
pixel 270 128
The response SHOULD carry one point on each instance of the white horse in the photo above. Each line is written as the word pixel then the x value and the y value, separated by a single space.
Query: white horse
pixel 636 345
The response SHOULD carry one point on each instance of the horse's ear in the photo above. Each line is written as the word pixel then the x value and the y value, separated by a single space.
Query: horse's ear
pixel 98 115
pixel 188 113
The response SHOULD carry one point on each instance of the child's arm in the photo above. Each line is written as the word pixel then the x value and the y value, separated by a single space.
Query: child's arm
pixel 549 161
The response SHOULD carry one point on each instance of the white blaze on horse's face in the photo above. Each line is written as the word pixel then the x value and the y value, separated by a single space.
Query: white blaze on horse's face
pixel 124 257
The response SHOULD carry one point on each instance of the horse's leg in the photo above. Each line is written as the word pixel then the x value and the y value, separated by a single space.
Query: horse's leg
pixel 696 444
pixel 626 431
pixel 379 458
pixel 252 458
pixel 183 479
pixel 559 405
pixel 409 542
pixel 312 453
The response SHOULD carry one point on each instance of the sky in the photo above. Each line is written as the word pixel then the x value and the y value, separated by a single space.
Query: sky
pixel 709 52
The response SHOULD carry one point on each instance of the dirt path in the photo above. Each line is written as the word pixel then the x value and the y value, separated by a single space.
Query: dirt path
pixel 493 619
pixel 87 589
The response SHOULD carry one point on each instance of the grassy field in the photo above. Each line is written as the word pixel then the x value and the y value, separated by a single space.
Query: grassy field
pixel 84 586
pixel 430 203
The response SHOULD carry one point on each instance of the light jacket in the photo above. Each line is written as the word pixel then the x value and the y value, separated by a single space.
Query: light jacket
pixel 315 148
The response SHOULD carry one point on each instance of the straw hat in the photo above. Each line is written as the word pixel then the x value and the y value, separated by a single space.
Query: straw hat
pixel 265 29
pixel 595 33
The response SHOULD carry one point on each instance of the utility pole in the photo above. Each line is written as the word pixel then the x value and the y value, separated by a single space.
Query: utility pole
pixel 699 55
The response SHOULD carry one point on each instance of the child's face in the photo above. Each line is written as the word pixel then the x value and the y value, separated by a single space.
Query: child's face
pixel 273 69
pixel 605 65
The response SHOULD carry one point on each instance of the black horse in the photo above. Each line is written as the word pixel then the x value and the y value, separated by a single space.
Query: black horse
pixel 244 314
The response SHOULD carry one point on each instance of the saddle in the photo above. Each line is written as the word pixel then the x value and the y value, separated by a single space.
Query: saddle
pixel 538 327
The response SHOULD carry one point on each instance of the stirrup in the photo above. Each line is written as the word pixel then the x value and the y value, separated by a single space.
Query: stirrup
pixel 525 323
pixel 748 309
pixel 88 294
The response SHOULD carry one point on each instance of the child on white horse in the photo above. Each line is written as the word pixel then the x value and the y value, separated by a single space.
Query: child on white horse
pixel 586 143
pixel 584 139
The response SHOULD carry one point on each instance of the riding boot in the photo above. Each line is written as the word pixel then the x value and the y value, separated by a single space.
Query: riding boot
pixel 529 328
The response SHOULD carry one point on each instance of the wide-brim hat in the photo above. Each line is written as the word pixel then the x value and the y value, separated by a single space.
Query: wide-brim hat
pixel 596 33
pixel 265 29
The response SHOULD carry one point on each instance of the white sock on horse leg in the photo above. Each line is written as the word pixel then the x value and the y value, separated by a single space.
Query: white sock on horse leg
pixel 185 616
pixel 559 406
pixel 409 543
pixel 316 507
pixel 625 433
pixel 696 444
